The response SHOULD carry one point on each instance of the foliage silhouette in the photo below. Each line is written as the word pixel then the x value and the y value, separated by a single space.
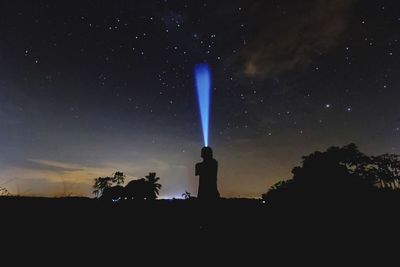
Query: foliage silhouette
pixel 152 186
pixel 385 170
pixel 115 193
pixel 136 189
pixel 340 174
pixel 146 188
pixel 101 183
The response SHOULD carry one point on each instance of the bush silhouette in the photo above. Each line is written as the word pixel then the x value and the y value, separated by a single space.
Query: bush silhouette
pixel 146 188
pixel 115 193
pixel 136 189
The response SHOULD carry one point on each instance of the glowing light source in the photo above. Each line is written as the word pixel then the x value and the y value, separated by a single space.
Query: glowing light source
pixel 203 85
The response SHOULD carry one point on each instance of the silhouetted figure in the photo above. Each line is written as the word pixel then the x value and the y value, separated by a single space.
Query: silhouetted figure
pixel 207 170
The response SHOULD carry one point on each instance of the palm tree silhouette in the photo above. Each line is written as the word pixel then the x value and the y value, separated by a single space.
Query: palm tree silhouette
pixel 153 187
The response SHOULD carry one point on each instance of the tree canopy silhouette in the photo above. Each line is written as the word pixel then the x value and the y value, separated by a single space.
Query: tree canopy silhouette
pixel 110 188
pixel 116 193
pixel 144 188
pixel 338 173
pixel 101 183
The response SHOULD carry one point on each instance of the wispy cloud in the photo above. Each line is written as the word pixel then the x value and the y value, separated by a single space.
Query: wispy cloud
pixel 55 165
pixel 290 41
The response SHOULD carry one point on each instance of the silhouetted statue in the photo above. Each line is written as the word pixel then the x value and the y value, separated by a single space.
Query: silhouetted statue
pixel 207 170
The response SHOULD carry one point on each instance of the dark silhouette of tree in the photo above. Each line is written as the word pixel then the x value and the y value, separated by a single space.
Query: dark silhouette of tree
pixel 115 193
pixel 386 170
pixel 338 173
pixel 277 189
pixel 336 167
pixel 152 186
pixel 136 189
pixel 146 188
pixel 101 183
pixel 119 178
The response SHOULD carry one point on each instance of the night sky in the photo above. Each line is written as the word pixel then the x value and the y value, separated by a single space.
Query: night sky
pixel 88 88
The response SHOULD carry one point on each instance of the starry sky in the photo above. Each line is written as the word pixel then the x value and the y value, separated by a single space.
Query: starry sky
pixel 88 88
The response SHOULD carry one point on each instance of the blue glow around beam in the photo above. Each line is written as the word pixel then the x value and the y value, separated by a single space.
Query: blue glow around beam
pixel 203 84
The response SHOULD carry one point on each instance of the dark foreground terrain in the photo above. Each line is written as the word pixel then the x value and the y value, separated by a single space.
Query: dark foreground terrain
pixel 75 226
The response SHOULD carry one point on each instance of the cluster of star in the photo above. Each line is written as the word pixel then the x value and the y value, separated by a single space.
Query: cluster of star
pixel 167 44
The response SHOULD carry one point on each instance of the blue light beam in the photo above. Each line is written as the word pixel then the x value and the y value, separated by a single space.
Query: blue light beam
pixel 203 84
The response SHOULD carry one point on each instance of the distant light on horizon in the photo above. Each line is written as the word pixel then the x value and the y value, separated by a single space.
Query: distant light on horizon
pixel 203 85
pixel 171 196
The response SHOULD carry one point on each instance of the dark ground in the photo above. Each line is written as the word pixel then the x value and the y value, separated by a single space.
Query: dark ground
pixel 74 226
